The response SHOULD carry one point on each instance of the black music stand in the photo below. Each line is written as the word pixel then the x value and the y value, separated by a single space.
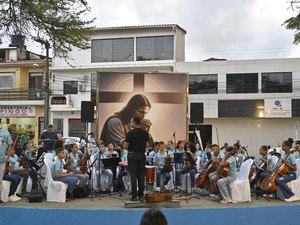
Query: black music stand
pixel 178 159
pixel 111 162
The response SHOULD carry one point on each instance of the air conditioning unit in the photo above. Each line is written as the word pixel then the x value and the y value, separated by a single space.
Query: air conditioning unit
pixel 83 78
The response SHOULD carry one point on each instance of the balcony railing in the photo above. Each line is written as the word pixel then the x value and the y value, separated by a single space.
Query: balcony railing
pixel 21 94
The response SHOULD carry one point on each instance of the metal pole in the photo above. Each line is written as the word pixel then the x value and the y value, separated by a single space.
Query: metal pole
pixel 46 109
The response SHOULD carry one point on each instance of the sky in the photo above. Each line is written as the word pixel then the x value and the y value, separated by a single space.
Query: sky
pixel 230 29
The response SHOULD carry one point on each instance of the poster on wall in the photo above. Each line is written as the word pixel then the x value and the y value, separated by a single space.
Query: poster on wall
pixel 278 108
pixel 159 99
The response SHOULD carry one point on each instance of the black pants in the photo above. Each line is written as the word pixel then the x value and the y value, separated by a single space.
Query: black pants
pixel 136 168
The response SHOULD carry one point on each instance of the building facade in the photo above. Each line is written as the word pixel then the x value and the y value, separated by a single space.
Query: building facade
pixel 21 92
pixel 254 101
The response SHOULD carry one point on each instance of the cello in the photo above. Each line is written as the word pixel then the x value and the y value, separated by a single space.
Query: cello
pixel 83 166
pixel 168 164
pixel 268 184
pixel 203 177
pixel 256 171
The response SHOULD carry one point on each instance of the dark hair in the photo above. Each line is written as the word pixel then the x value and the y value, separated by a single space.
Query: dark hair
pixel 153 217
pixel 136 120
pixel 178 143
pixel 264 147
pixel 24 145
pixel 229 149
pixel 291 140
pixel 214 145
pixel 71 147
pixel 287 143
pixel 58 150
pixel 161 143
pixel 192 146
pixel 133 104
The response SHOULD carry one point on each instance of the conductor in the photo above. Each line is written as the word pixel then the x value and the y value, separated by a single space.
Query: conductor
pixel 135 142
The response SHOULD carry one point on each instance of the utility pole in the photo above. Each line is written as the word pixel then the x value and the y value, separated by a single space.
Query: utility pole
pixel 46 86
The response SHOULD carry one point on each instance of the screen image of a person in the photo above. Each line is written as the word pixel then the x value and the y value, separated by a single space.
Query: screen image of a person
pixel 118 125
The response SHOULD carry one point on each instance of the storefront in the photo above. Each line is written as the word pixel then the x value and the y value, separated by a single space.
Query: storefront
pixel 24 122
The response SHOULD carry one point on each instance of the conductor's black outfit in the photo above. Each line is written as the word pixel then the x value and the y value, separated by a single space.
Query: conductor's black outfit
pixel 137 139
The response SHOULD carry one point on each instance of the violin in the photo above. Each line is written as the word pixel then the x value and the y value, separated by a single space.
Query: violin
pixel 203 178
pixel 268 184
pixel 7 168
pixel 158 197
pixel 24 161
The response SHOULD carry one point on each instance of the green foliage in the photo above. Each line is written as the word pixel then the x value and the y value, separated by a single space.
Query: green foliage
pixel 58 23
pixel 293 23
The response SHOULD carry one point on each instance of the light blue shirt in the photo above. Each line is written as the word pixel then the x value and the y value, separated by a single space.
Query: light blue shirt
pixel 232 166
pixel 124 155
pixel 159 159
pixel 57 165
pixel 14 161
pixel 5 140
pixel 74 160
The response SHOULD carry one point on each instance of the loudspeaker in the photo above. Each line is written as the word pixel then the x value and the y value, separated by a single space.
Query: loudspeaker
pixel 87 111
pixel 196 112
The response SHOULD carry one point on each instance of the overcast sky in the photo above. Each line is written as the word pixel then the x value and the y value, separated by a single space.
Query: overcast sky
pixel 231 29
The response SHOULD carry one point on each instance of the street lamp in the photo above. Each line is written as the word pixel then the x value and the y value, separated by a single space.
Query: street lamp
pixel 46 86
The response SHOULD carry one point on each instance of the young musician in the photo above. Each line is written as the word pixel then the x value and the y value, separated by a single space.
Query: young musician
pixel 23 171
pixel 100 168
pixel 159 162
pixel 14 183
pixel 189 167
pixel 75 164
pixel 224 183
pixel 59 174
pixel 290 175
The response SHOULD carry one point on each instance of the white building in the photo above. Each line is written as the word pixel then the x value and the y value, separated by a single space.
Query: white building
pixel 255 101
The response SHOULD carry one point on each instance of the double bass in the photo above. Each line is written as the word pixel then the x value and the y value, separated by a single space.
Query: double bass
pixel 268 184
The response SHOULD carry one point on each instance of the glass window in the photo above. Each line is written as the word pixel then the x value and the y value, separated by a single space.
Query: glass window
pixel 70 87
pixel 203 84
pixel 76 128
pixel 277 82
pixel 242 83
pixel 154 48
pixel 8 81
pixel 295 107
pixel 241 108
pixel 112 50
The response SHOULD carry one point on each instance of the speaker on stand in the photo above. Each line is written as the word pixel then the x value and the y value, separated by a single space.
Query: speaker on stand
pixel 87 111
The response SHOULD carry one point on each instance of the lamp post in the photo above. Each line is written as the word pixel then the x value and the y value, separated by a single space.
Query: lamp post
pixel 46 86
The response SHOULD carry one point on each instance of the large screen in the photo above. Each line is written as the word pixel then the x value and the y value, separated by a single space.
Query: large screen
pixel 159 99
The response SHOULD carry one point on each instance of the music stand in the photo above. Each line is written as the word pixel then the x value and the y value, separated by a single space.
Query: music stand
pixel 111 162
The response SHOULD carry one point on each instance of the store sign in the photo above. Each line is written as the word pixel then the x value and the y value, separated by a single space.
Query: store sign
pixel 16 110
pixel 278 108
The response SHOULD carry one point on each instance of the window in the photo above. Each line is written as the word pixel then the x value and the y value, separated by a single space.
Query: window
pixel 277 82
pixel 154 48
pixel 203 84
pixel 76 128
pixel 112 50
pixel 242 83
pixel 70 87
pixel 8 81
pixel 295 107
pixel 241 108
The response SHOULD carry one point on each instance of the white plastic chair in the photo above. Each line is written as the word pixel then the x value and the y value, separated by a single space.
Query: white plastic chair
pixel 56 191
pixel 5 190
pixel 240 188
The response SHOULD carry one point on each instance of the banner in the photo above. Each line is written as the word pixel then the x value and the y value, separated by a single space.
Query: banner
pixel 159 99
pixel 278 108
pixel 16 111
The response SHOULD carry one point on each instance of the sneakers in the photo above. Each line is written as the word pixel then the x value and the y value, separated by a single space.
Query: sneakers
pixel 158 189
pixel 292 199
pixel 13 198
pixel 223 201
pixel 24 194
pixel 1 202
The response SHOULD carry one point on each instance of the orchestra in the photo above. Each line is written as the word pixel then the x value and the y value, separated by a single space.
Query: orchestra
pixel 212 170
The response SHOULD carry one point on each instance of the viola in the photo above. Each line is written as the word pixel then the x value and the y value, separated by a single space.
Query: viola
pixel 268 184
pixel 203 178
pixel 168 164
pixel 83 167
pixel 158 197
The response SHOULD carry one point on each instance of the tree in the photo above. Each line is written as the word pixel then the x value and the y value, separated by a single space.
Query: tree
pixel 56 23
pixel 293 23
